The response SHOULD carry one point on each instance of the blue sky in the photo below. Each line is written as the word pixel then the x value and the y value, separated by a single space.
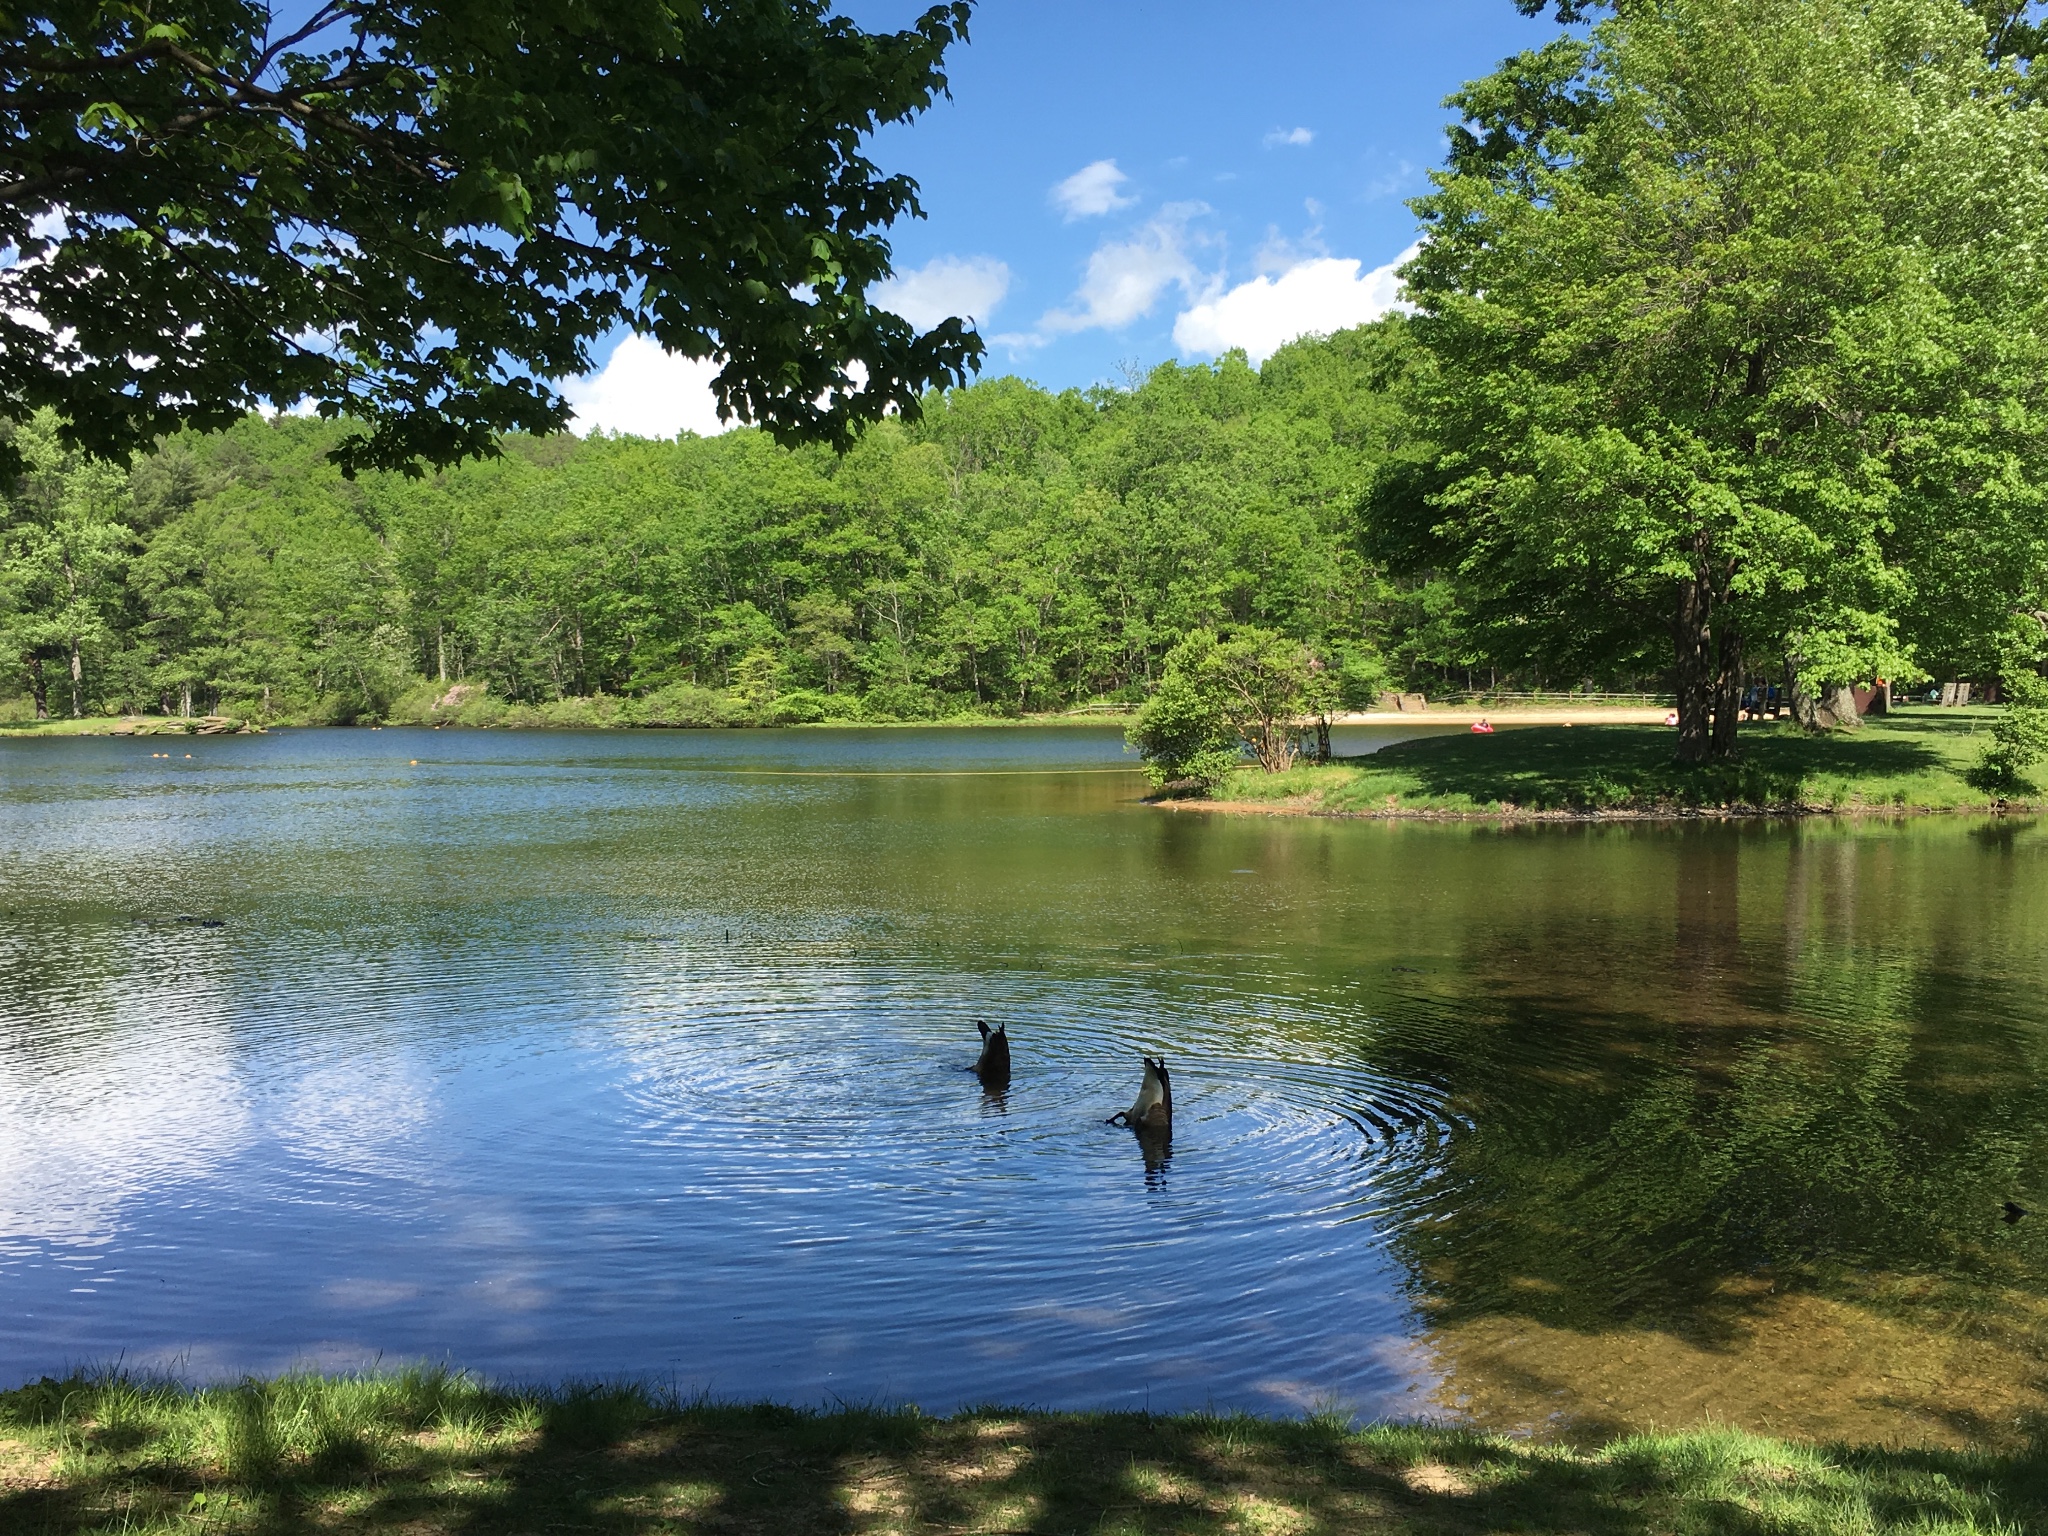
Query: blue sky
pixel 1120 182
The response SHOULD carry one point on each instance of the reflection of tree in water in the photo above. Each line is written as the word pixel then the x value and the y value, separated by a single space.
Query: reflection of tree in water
pixel 1761 1099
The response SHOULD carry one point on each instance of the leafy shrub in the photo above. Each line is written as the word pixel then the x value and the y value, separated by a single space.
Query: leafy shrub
pixel 799 706
pixel 1219 698
pixel 1183 732
pixel 685 705
pixel 900 701
pixel 415 705
pixel 594 712
pixel 2019 737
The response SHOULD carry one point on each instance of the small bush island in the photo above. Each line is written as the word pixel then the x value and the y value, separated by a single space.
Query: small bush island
pixel 1251 694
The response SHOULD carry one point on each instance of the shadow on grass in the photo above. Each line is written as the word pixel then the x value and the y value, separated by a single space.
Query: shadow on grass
pixel 430 1453
pixel 1600 767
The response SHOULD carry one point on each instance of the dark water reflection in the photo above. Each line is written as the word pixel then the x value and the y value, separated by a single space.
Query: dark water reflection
pixel 564 1054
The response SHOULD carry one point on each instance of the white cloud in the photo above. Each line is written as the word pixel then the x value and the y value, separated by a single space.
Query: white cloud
pixel 645 391
pixel 1310 298
pixel 1094 189
pixel 1125 278
pixel 946 286
pixel 1299 137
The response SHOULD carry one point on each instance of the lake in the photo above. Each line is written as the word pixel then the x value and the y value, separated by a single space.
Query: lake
pixel 646 1054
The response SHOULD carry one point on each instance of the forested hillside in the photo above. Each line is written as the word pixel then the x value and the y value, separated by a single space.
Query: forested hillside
pixel 1724 367
pixel 1013 551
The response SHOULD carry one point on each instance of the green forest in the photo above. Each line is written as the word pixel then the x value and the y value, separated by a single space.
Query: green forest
pixel 1724 361
pixel 1013 551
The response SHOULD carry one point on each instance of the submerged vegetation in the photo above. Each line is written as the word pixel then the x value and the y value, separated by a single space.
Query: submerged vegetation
pixel 1924 761
pixel 427 1452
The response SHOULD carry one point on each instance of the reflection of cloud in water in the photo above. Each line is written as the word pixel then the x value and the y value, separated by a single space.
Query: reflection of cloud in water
pixel 498 1249
pixel 496 1229
pixel 99 1117
pixel 1104 1318
pixel 1407 1359
pixel 363 1114
pixel 363 1295
pixel 511 1291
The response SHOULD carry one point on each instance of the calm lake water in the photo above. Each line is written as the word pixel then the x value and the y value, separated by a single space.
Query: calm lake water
pixel 603 1054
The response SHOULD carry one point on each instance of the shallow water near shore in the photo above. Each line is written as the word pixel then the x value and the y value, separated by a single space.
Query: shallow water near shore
pixel 574 1054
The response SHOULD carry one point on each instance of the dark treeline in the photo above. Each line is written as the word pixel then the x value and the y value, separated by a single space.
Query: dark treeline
pixel 1013 551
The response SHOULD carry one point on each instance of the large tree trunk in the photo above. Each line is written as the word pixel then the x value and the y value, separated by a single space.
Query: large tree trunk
pixel 77 681
pixel 38 685
pixel 1727 688
pixel 1695 672
pixel 1709 674
pixel 1799 698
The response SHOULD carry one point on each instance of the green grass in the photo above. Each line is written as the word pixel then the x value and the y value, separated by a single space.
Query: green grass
pixel 427 1453
pixel 582 714
pixel 109 725
pixel 1909 761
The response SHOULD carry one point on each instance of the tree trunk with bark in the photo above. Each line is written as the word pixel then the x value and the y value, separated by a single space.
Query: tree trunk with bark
pixel 38 685
pixel 1695 671
pixel 77 681
pixel 1709 673
pixel 1727 689
pixel 1799 697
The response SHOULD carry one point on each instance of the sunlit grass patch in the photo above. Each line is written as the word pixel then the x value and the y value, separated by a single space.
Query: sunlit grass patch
pixel 428 1452
pixel 1910 762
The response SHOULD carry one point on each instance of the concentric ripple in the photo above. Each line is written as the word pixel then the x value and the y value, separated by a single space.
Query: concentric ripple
pixel 649 1055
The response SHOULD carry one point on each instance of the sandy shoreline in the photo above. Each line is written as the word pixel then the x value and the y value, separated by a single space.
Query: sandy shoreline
pixel 1591 714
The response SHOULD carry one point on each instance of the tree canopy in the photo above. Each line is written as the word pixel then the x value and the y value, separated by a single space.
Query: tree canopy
pixel 1011 550
pixel 1733 335
pixel 1728 362
pixel 2012 29
pixel 417 217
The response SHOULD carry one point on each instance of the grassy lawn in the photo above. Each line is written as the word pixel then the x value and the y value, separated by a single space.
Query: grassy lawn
pixel 568 714
pixel 107 725
pixel 427 1453
pixel 23 725
pixel 1911 760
